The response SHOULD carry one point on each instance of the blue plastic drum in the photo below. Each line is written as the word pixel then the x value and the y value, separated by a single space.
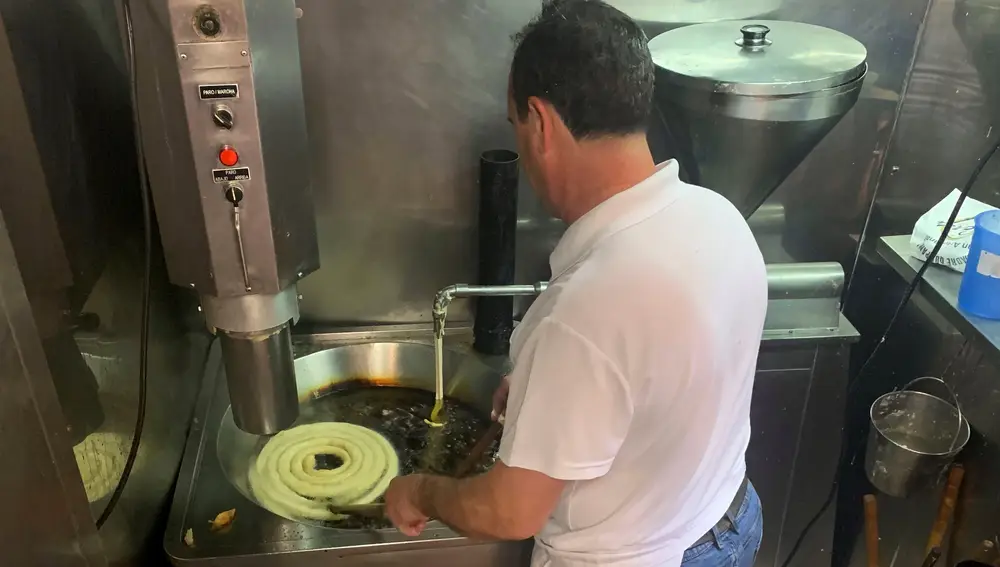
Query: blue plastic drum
pixel 980 291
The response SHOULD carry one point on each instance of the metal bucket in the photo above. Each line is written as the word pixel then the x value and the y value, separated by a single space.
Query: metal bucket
pixel 914 437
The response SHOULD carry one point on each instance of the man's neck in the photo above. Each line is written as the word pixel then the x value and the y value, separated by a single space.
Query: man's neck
pixel 602 169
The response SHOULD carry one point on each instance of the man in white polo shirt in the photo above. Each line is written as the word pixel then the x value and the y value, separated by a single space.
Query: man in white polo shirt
pixel 628 413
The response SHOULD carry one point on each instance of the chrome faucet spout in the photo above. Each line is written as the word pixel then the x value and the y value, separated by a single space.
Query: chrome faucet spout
pixel 440 313
pixel 444 297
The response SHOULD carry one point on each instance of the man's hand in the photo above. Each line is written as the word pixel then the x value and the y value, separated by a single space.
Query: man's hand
pixel 504 504
pixel 402 500
pixel 500 400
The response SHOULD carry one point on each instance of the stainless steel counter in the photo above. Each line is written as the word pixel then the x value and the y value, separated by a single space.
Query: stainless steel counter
pixel 796 419
pixel 940 287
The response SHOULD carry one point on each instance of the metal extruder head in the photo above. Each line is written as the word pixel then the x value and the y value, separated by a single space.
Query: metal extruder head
pixel 225 143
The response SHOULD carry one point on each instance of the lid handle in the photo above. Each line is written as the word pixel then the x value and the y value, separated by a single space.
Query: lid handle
pixel 754 36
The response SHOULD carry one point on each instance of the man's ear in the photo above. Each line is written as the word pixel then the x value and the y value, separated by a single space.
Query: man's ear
pixel 541 123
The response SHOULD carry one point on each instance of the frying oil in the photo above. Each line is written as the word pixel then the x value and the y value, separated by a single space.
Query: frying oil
pixel 399 414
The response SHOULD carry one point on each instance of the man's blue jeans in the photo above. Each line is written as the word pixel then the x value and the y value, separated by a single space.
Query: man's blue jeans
pixel 738 546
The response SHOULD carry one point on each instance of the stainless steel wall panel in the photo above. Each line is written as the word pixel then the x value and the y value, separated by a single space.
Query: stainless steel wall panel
pixel 401 98
pixel 827 198
pixel 779 404
pixel 944 119
pixel 67 62
pixel 46 521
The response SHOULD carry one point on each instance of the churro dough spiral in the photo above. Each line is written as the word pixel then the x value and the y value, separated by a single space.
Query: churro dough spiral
pixel 285 479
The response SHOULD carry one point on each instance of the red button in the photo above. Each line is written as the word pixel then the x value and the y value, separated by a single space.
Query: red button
pixel 228 156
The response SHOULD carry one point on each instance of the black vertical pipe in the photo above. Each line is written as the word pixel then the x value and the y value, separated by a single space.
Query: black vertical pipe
pixel 498 180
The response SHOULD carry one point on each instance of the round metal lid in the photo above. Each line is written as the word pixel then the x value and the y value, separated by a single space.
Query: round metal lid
pixel 687 12
pixel 758 57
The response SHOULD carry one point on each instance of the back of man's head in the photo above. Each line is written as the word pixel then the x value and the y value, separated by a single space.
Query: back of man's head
pixel 591 62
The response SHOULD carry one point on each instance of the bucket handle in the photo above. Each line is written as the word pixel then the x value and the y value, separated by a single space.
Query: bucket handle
pixel 954 399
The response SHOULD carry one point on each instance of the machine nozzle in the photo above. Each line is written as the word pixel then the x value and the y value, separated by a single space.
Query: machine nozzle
pixel 260 371
pixel 255 335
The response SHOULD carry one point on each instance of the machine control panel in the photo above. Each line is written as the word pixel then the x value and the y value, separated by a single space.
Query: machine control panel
pixel 241 145
pixel 217 75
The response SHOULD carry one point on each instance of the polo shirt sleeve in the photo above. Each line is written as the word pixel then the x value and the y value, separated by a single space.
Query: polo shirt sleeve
pixel 569 407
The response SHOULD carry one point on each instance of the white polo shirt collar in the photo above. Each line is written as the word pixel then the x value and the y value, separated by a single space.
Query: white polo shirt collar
pixel 621 211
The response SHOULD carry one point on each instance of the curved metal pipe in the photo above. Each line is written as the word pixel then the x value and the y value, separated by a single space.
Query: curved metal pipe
pixel 440 313
pixel 444 297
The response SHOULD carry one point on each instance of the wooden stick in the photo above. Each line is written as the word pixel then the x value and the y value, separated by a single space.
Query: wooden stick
pixel 871 529
pixel 949 499
pixel 932 558
pixel 475 456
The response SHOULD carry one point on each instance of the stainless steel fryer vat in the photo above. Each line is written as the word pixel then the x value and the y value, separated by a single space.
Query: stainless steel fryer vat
pixel 258 537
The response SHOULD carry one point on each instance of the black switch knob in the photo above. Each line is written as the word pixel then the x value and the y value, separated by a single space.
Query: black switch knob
pixel 222 115
pixel 234 194
pixel 207 21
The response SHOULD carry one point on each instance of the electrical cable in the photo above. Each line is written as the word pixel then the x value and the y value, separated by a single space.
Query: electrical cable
pixel 907 294
pixel 147 218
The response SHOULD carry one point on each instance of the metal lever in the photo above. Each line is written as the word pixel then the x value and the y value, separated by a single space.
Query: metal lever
pixel 234 194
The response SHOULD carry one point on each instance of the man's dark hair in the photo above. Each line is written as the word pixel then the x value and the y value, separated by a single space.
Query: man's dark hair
pixel 591 62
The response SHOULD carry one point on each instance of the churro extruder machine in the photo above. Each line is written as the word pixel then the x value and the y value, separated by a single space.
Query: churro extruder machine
pixel 221 88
